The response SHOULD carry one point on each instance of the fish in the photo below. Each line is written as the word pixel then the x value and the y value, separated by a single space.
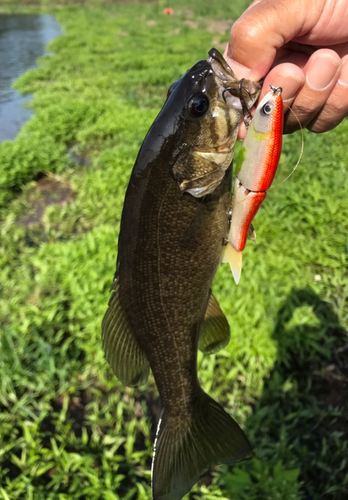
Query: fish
pixel 256 167
pixel 174 226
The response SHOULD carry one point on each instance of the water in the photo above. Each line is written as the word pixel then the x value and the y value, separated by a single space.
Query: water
pixel 23 39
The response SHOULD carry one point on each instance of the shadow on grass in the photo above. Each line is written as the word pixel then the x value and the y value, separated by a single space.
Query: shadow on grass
pixel 302 415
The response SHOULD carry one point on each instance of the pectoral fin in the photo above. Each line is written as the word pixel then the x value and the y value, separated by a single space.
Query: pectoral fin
pixel 203 185
pixel 198 174
pixel 234 258
pixel 215 332
pixel 127 360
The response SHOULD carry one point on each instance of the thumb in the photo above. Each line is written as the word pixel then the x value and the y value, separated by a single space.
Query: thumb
pixel 264 28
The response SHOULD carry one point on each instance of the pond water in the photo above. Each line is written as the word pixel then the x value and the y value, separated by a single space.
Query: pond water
pixel 23 38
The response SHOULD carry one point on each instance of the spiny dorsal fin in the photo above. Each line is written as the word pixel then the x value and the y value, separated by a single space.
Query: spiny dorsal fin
pixel 184 450
pixel 234 258
pixel 127 360
pixel 215 331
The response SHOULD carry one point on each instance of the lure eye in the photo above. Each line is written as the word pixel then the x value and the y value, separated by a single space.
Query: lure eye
pixel 198 105
pixel 267 109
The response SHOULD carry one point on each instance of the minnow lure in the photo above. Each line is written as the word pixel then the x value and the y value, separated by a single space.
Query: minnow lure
pixel 255 171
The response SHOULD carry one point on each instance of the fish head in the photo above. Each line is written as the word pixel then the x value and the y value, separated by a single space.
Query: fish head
pixel 206 109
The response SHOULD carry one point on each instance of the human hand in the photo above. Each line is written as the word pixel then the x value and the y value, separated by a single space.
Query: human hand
pixel 301 46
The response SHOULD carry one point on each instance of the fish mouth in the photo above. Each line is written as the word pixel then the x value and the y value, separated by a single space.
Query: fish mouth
pixel 246 91
pixel 217 58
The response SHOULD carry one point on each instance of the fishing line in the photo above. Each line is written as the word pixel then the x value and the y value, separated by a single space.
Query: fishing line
pixel 295 167
pixel 301 152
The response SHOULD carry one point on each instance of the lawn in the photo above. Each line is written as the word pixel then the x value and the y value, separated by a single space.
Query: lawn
pixel 68 428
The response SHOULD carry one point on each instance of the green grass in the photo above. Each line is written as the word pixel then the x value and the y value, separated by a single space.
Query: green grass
pixel 68 428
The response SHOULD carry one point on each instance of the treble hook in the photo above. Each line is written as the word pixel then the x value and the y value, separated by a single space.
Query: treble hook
pixel 247 115
pixel 239 92
pixel 276 90
pixel 229 89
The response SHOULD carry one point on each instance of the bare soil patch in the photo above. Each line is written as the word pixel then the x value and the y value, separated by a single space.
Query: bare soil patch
pixel 49 190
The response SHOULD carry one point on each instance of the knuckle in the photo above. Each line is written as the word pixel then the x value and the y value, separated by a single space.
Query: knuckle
pixel 340 107
pixel 331 115
pixel 239 30
pixel 290 124
pixel 321 124
pixel 301 110
pixel 296 118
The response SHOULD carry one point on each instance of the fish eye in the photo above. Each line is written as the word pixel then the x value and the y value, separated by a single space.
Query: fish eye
pixel 267 109
pixel 198 105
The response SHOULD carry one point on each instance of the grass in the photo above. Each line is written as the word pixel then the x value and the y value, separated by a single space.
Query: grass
pixel 68 428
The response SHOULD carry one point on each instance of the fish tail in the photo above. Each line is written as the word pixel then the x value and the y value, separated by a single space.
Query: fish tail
pixel 181 456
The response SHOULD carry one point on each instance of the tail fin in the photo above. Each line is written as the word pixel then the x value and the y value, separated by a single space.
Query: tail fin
pixel 182 455
pixel 234 257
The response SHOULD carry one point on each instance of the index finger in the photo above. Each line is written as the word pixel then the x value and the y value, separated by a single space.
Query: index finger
pixel 263 29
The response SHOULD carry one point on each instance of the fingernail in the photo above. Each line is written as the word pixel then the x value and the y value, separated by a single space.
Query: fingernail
pixel 322 71
pixel 290 84
pixel 343 80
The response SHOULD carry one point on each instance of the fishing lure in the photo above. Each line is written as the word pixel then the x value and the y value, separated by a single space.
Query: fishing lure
pixel 256 167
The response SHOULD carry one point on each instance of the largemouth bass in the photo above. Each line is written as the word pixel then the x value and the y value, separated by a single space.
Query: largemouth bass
pixel 174 227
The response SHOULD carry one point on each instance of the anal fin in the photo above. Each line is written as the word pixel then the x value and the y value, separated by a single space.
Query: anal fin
pixel 127 360
pixel 215 331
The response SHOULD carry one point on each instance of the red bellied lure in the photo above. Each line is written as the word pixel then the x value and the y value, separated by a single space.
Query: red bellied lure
pixel 255 171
